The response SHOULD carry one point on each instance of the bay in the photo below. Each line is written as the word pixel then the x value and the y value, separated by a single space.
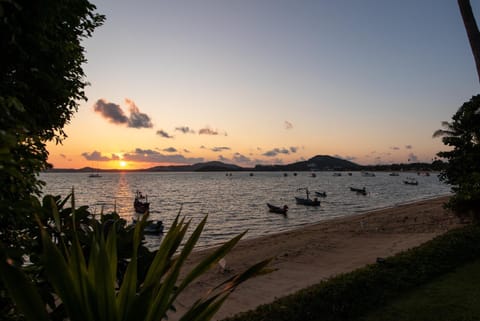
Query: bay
pixel 235 202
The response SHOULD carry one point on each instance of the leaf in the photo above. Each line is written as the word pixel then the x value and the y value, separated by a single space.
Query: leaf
pixel 22 291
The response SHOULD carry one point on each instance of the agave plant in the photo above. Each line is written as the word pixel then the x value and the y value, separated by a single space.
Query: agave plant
pixel 88 287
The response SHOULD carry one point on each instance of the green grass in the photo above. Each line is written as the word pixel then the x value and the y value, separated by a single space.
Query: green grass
pixel 454 296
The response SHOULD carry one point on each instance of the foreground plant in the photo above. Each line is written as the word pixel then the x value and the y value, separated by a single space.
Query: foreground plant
pixel 89 289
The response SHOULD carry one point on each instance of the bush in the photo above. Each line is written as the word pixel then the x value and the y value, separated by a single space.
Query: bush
pixel 348 296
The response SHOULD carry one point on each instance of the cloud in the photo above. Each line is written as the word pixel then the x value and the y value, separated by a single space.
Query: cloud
pixel 95 156
pixel 293 149
pixel 114 114
pixel 223 159
pixel 288 125
pixel 137 119
pixel 170 150
pixel 110 111
pixel 395 148
pixel 239 158
pixel 163 134
pixel 412 158
pixel 207 131
pixel 276 151
pixel 63 156
pixel 219 149
pixel 408 146
pixel 185 130
pixel 151 156
pixel 186 150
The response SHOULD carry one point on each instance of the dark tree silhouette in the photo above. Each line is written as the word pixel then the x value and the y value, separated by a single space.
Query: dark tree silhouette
pixel 462 170
pixel 472 30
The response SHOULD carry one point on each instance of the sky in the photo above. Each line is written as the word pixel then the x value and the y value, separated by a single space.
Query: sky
pixel 268 82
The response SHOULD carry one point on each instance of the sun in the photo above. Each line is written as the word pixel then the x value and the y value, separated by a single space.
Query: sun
pixel 123 164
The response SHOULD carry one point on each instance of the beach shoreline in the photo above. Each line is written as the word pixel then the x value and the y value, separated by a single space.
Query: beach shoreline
pixel 315 252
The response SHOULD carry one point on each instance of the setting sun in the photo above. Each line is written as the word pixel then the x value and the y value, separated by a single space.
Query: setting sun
pixel 123 163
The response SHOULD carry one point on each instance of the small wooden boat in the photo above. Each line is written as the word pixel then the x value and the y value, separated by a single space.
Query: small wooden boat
pixel 307 201
pixel 321 194
pixel 362 191
pixel 276 209
pixel 151 227
pixel 141 204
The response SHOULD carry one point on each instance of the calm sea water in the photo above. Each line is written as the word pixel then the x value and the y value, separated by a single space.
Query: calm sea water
pixel 238 202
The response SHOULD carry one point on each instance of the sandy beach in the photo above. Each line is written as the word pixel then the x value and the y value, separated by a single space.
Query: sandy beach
pixel 317 252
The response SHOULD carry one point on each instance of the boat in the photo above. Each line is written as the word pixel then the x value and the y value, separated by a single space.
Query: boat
pixel 95 175
pixel 362 191
pixel 321 194
pixel 394 174
pixel 141 204
pixel 410 181
pixel 276 209
pixel 151 227
pixel 307 201
pixel 313 175
pixel 368 174
pixel 337 174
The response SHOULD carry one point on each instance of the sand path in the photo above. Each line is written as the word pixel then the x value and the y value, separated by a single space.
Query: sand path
pixel 308 255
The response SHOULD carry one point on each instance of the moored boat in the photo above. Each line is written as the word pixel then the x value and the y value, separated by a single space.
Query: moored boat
pixel 362 191
pixel 141 204
pixel 307 201
pixel 276 209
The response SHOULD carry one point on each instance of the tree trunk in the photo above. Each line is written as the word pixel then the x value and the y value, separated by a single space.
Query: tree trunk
pixel 472 30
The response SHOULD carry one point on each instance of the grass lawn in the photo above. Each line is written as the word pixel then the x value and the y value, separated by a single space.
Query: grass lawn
pixel 454 296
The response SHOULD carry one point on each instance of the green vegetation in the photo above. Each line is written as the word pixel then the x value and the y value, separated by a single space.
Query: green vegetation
pixel 454 296
pixel 78 267
pixel 352 295
pixel 41 83
pixel 82 265
pixel 462 170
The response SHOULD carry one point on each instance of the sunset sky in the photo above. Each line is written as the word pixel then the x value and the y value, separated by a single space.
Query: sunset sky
pixel 269 82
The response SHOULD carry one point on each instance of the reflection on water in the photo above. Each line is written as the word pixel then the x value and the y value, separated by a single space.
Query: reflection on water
pixel 238 202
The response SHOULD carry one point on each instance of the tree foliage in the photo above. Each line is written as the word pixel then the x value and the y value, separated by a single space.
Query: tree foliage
pixel 462 170
pixel 41 83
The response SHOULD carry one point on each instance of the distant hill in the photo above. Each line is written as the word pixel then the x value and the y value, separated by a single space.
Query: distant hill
pixel 214 166
pixel 318 163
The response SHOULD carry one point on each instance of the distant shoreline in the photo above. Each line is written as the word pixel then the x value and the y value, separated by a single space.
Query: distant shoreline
pixel 317 163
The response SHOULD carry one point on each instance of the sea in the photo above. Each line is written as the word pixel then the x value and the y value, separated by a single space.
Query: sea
pixel 236 202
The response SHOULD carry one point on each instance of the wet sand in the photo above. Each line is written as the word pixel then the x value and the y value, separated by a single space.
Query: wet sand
pixel 306 256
